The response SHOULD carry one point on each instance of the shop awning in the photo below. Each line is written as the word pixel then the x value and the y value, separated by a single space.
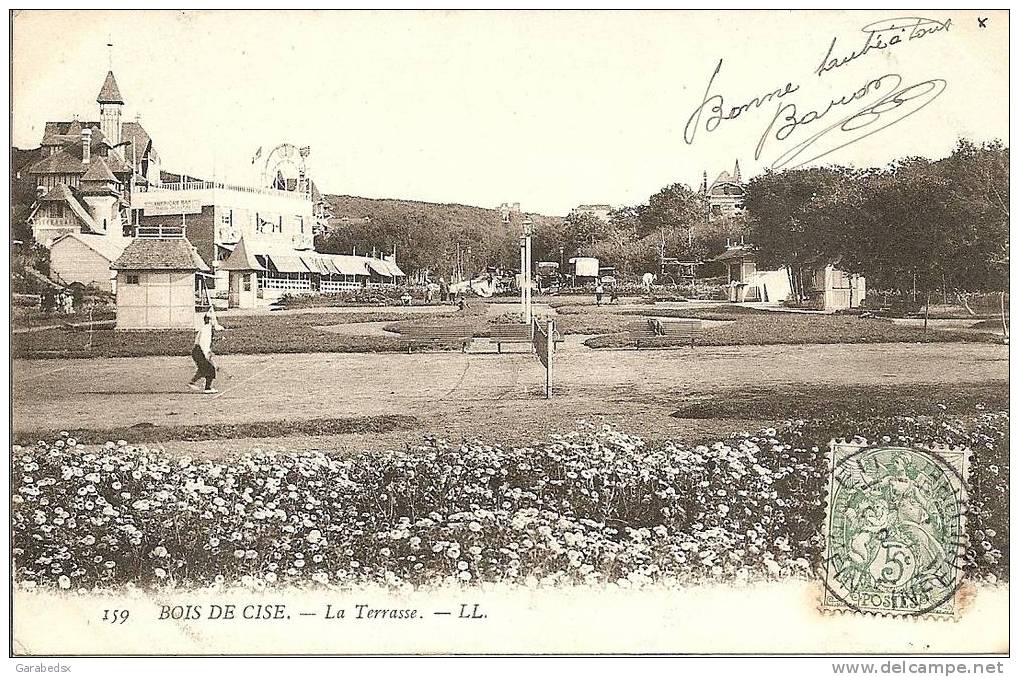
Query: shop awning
pixel 316 264
pixel 327 262
pixel 380 267
pixel 349 265
pixel 288 264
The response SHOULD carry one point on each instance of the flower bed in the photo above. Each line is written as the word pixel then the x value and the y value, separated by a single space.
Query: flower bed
pixel 368 296
pixel 591 507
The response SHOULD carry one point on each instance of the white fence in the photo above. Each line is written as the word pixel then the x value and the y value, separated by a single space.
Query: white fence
pixel 334 286
pixel 284 284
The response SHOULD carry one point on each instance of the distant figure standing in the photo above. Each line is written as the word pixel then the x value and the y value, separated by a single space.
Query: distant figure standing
pixel 48 302
pixel 443 290
pixel 202 354
pixel 599 291
pixel 613 295
pixel 428 294
pixel 648 279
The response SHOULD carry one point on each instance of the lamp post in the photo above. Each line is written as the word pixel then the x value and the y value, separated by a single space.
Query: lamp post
pixel 528 227
pixel 523 276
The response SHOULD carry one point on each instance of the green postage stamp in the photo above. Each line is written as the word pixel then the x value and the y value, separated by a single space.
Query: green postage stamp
pixel 895 532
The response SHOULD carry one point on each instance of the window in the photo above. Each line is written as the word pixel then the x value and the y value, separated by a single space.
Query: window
pixel 226 218
pixel 247 282
pixel 300 219
pixel 132 279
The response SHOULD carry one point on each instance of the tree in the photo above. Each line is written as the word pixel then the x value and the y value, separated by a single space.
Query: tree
pixel 789 218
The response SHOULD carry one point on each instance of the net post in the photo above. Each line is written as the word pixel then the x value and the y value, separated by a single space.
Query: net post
pixel 550 348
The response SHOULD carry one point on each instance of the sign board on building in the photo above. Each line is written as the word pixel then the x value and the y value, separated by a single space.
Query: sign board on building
pixel 177 206
pixel 585 266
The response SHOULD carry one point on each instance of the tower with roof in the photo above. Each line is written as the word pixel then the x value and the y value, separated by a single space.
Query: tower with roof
pixel 101 192
pixel 725 195
pixel 111 108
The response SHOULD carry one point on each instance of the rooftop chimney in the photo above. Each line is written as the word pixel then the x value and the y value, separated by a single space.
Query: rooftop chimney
pixel 86 146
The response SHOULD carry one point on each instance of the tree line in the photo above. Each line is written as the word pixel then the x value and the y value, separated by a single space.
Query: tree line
pixel 913 224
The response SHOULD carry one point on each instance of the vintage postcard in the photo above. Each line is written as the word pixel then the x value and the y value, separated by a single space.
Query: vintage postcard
pixel 509 332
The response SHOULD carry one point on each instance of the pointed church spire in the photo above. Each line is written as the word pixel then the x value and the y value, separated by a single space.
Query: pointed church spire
pixel 735 173
pixel 110 93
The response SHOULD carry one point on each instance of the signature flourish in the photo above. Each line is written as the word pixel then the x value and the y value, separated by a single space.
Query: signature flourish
pixel 893 107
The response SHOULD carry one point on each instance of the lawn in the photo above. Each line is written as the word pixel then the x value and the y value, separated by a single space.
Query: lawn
pixel 226 431
pixel 808 401
pixel 754 327
pixel 245 335
pixel 302 332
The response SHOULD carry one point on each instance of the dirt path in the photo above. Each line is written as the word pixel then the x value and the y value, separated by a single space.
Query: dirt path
pixel 465 394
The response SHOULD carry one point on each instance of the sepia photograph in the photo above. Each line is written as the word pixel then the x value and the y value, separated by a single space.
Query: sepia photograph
pixel 516 332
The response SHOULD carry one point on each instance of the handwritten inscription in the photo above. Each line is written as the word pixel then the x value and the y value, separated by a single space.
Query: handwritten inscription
pixel 874 105
pixel 882 35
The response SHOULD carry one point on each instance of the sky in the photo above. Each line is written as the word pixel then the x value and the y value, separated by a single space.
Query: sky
pixel 548 109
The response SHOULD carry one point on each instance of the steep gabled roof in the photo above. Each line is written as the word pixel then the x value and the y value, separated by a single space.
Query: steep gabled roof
pixel 59 193
pixel 67 160
pixel 141 142
pixel 98 170
pixel 55 132
pixel 109 247
pixel 241 259
pixel 62 162
pixel 146 253
pixel 724 177
pixel 110 93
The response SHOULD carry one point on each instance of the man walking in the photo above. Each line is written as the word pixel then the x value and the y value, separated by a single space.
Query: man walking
pixel 202 354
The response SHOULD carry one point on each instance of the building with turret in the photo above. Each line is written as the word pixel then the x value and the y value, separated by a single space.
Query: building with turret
pixel 85 171
pixel 725 195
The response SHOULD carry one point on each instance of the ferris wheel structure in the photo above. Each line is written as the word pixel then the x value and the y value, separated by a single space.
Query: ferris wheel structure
pixel 286 168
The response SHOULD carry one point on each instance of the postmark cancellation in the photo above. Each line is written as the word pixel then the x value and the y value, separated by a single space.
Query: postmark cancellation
pixel 895 532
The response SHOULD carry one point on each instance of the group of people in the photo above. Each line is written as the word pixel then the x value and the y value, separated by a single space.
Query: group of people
pixel 599 293
pixel 61 302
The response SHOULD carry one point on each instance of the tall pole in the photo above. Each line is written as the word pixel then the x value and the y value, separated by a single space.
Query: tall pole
pixel 527 277
pixel 549 350
pixel 523 267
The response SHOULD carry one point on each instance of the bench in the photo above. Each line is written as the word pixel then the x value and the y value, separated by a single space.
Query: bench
pixel 514 333
pixel 646 333
pixel 435 336
pixel 509 333
pixel 85 326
